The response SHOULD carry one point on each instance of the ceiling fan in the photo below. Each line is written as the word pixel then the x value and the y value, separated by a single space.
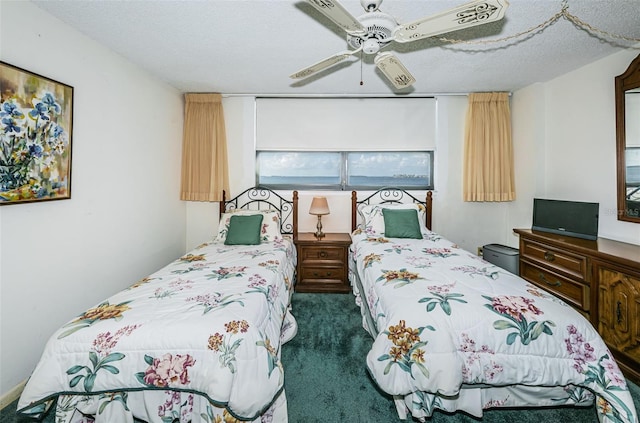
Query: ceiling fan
pixel 375 30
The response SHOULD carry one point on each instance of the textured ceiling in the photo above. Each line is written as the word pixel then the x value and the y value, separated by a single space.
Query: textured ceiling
pixel 252 46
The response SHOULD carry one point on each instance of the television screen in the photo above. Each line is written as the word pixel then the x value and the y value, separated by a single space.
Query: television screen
pixel 571 218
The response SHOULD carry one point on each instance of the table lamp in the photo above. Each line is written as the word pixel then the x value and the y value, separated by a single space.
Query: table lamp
pixel 319 207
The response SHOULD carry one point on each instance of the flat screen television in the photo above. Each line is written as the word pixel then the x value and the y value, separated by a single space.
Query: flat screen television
pixel 572 218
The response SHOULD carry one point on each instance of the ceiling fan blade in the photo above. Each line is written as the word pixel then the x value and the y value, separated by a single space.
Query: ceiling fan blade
pixel 333 10
pixel 468 15
pixel 395 71
pixel 323 64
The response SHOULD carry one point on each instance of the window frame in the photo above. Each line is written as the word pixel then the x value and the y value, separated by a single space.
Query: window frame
pixel 344 166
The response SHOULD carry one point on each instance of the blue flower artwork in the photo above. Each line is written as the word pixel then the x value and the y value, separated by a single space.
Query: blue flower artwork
pixel 35 137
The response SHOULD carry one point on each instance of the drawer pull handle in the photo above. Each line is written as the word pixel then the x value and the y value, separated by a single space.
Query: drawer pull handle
pixel 543 279
pixel 322 254
pixel 618 312
pixel 549 256
pixel 317 275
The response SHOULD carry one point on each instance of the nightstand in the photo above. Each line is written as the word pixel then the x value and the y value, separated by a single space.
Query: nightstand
pixel 323 263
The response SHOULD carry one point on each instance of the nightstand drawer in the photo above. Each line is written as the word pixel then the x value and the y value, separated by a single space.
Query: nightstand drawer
pixel 573 292
pixel 557 260
pixel 322 253
pixel 323 273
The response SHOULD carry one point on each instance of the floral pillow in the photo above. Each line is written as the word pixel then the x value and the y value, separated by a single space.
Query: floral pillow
pixel 372 222
pixel 269 232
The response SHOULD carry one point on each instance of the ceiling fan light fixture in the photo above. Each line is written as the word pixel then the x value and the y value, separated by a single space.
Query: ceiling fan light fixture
pixel 379 27
pixel 370 46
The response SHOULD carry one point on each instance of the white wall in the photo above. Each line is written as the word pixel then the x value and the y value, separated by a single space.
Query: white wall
pixel 528 131
pixel 124 219
pixel 569 127
pixel 470 224
pixel 564 148
pixel 239 120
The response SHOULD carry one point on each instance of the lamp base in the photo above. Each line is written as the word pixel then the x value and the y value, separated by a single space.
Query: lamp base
pixel 319 234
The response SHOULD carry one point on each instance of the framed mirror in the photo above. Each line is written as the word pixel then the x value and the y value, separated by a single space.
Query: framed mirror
pixel 627 87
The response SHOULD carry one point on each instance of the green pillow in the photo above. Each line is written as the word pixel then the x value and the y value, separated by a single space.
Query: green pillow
pixel 401 223
pixel 244 230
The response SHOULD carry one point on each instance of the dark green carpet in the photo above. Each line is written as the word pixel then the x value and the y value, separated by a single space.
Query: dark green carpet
pixel 327 381
pixel 326 378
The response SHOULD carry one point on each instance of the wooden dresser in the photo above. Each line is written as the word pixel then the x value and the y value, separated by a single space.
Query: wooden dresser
pixel 323 264
pixel 601 279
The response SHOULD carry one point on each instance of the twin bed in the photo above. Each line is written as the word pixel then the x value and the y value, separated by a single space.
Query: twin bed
pixel 454 332
pixel 199 340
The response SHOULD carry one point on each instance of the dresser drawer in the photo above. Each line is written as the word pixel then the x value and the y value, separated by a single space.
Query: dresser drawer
pixel 323 254
pixel 571 291
pixel 556 260
pixel 600 278
pixel 323 273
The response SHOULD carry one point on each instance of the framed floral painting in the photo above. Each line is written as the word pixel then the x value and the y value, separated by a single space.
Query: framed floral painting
pixel 36 116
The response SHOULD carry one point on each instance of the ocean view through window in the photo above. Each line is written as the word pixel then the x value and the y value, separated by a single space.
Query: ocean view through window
pixel 344 170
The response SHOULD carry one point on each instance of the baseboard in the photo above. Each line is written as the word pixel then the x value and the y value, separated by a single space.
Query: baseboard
pixel 12 395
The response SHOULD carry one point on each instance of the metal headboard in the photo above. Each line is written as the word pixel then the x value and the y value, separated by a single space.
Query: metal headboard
pixel 390 195
pixel 259 198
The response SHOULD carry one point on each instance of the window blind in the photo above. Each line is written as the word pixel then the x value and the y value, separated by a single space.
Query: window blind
pixel 339 124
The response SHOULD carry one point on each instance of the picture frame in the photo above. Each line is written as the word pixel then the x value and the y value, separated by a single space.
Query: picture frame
pixel 36 122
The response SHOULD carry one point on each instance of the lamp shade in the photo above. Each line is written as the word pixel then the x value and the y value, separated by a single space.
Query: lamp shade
pixel 319 206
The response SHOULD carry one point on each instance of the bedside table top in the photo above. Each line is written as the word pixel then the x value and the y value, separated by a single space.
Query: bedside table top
pixel 328 237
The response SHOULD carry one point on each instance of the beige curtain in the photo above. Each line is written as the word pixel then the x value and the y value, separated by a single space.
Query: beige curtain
pixel 488 150
pixel 204 149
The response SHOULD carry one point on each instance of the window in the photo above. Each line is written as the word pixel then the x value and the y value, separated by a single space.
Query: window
pixel 345 143
pixel 409 170
pixel 344 170
pixel 297 169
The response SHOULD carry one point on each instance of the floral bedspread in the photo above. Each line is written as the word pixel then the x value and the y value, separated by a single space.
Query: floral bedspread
pixel 455 332
pixel 199 339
